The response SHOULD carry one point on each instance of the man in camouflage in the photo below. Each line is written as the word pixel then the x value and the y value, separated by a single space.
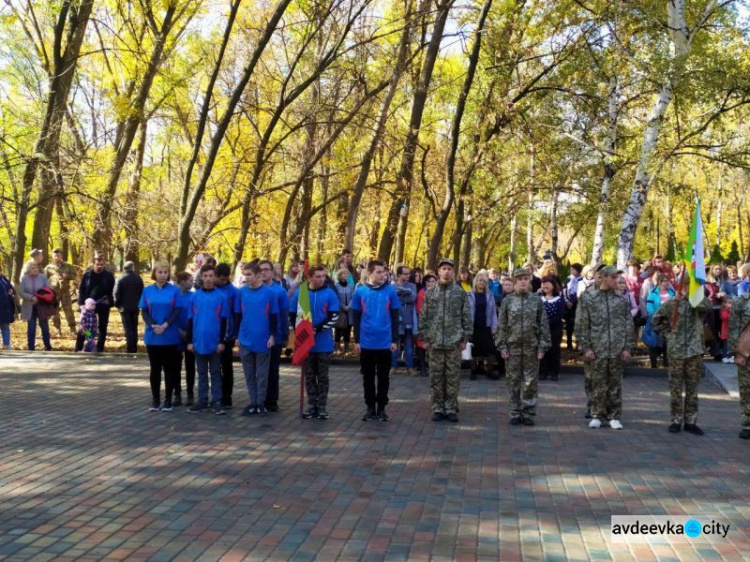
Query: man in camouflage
pixel 445 326
pixel 685 347
pixel 605 333
pixel 60 274
pixel 588 366
pixel 522 338
pixel 739 320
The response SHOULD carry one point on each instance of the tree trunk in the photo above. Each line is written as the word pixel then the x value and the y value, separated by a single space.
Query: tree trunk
pixel 377 136
pixel 512 256
pixel 399 207
pixel 450 191
pixel 47 146
pixel 132 245
pixel 102 238
pixel 553 228
pixel 609 173
pixel 192 197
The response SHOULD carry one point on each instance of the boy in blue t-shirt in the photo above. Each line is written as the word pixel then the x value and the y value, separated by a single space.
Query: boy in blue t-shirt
pixel 375 306
pixel 207 337
pixel 223 272
pixel 256 313
pixel 280 336
pixel 185 303
pixel 324 306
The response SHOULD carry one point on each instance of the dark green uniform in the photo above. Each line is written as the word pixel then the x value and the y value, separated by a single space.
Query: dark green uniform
pixel 60 278
pixel 739 319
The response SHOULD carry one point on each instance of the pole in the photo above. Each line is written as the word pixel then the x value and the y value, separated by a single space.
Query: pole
pixel 301 390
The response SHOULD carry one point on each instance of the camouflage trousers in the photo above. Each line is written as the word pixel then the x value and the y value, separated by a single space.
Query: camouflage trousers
pixel 743 378
pixel 445 379
pixel 66 306
pixel 684 373
pixel 607 389
pixel 521 379
pixel 316 379
pixel 588 382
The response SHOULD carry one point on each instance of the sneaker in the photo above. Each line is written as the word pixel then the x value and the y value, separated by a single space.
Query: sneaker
pixel 588 414
pixel 516 421
pixel 248 410
pixel 310 413
pixel 382 416
pixel 189 401
pixel 262 411
pixel 745 434
pixel 595 424
pixel 675 428
pixel 452 417
pixel 154 407
pixel 197 408
pixel 369 415
pixel 528 421
pixel 218 409
pixel 694 429
pixel 177 401
pixel 227 403
pixel 438 416
pixel 731 360
pixel 322 414
pixel 272 407
pixel 167 406
pixel 725 359
pixel 615 424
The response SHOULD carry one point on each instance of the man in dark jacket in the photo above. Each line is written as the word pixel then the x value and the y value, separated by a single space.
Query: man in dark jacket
pixel 127 296
pixel 97 284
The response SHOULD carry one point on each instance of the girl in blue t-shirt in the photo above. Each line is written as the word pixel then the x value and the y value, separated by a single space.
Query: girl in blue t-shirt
pixel 161 315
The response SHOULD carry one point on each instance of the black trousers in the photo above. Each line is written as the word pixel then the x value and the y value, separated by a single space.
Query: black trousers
pixel 130 325
pixel 102 316
pixel 272 393
pixel 550 363
pixel 188 357
pixel 343 333
pixel 163 358
pixel 227 372
pixel 376 363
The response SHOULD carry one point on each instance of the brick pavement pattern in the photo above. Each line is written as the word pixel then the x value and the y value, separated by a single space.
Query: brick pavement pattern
pixel 87 473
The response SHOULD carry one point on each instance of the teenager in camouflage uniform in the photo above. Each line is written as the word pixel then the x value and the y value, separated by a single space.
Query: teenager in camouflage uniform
pixel 522 338
pixel 605 333
pixel 588 366
pixel 738 322
pixel 60 274
pixel 686 348
pixel 445 326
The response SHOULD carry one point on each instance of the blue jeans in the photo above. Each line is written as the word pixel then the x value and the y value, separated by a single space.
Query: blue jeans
pixel 204 364
pixel 407 341
pixel 31 333
pixel 255 365
pixel 5 329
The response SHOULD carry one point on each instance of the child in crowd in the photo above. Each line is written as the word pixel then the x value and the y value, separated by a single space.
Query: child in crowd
pixel 88 325
pixel 726 309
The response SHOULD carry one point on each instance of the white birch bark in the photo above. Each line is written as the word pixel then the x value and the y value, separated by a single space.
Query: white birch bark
pixel 609 173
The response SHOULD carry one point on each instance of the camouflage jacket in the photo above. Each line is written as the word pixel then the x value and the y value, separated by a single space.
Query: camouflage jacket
pixel 445 320
pixel 687 339
pixel 522 323
pixel 56 272
pixel 604 324
pixel 738 320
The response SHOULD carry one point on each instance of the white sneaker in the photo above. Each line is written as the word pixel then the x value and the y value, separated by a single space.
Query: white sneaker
pixel 731 360
pixel 614 424
pixel 596 424
pixel 725 359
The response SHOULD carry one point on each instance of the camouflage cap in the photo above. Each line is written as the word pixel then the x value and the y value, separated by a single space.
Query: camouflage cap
pixel 610 270
pixel 520 272
pixel 599 267
pixel 446 261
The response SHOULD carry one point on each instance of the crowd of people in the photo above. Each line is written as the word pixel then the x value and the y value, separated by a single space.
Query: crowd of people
pixel 508 324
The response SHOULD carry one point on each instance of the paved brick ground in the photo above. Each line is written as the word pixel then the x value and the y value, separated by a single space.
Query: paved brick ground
pixel 87 473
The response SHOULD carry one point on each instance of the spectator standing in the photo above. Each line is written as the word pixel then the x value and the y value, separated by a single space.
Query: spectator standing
pixel 7 308
pixel 407 320
pixel 484 319
pixel 127 294
pixel 161 316
pixel 725 314
pixel 31 282
pixel 464 279
pixel 59 275
pixel 293 278
pixel 570 294
pixel 421 348
pixel 97 284
pixel 731 287
pixel 223 272
pixel 185 304
pixel 345 293
pixel 658 296
pixel 556 308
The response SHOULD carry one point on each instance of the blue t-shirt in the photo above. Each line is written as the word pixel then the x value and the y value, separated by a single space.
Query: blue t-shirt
pixel 322 301
pixel 256 307
pixel 230 291
pixel 494 287
pixel 376 306
pixel 185 303
pixel 160 303
pixel 282 301
pixel 209 307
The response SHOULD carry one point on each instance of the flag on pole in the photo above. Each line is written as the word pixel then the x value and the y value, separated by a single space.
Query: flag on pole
pixel 304 333
pixel 695 261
